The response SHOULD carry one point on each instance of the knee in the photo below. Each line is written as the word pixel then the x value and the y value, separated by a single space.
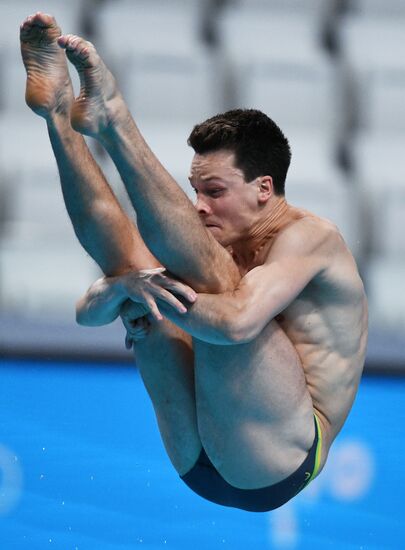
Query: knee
pixel 224 278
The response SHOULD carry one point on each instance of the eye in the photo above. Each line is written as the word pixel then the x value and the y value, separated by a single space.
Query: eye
pixel 215 192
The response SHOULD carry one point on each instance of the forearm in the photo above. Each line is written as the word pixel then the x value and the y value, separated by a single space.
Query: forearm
pixel 213 318
pixel 239 316
pixel 103 229
pixel 101 304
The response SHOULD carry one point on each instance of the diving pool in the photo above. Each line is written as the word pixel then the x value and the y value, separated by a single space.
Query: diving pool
pixel 82 467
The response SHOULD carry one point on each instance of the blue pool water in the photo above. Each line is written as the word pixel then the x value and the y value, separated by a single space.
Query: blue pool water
pixel 82 468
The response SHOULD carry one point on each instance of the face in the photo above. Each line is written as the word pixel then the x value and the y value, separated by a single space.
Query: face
pixel 225 202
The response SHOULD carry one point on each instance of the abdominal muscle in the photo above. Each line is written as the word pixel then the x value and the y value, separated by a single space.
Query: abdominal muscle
pixel 332 368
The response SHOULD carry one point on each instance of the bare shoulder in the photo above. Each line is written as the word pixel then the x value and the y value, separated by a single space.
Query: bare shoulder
pixel 317 242
pixel 309 234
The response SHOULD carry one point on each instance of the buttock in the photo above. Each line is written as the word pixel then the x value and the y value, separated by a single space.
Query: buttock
pixel 207 482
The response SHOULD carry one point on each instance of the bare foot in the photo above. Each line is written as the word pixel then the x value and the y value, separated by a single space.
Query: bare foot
pixel 95 108
pixel 49 88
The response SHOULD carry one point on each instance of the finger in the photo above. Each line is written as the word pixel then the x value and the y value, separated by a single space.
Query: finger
pixel 128 341
pixel 177 287
pixel 139 334
pixel 154 310
pixel 133 309
pixel 145 323
pixel 127 323
pixel 139 326
pixel 135 323
pixel 171 300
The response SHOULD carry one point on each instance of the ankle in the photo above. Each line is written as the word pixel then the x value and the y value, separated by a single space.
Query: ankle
pixel 58 120
pixel 119 120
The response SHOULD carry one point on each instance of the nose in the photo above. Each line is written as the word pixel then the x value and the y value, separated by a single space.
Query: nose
pixel 202 207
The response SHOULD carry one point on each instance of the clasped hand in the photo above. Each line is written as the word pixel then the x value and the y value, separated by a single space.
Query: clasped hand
pixel 143 288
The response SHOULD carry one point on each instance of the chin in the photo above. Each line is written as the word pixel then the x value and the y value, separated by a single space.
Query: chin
pixel 222 238
pixel 216 233
pixel 223 241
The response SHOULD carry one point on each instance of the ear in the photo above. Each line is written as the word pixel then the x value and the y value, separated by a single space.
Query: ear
pixel 265 188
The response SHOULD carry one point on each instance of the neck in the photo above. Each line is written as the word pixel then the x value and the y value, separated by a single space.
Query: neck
pixel 269 224
pixel 264 230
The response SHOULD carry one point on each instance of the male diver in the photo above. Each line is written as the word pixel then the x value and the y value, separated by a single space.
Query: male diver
pixel 247 315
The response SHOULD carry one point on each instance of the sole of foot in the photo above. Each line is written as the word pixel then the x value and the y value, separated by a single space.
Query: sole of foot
pixel 93 110
pixel 48 88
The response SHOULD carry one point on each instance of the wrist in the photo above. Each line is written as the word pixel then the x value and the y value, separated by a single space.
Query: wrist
pixel 118 287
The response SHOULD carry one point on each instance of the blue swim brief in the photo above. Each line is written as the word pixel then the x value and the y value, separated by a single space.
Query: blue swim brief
pixel 207 482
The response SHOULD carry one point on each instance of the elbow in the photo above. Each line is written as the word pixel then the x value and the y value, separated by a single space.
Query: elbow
pixel 79 312
pixel 241 323
pixel 245 327
pixel 86 321
pixel 82 316
pixel 246 324
pixel 238 331
pixel 240 337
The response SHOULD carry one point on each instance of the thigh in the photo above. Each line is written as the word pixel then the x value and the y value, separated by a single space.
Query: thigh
pixel 165 360
pixel 254 410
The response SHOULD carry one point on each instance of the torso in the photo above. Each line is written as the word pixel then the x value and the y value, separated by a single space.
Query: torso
pixel 327 326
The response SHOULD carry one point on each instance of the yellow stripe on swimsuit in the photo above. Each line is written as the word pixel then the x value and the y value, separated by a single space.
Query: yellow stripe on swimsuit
pixel 318 450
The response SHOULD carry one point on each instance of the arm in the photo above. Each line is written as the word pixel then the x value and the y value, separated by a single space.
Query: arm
pixel 298 255
pixel 101 304
pixel 103 301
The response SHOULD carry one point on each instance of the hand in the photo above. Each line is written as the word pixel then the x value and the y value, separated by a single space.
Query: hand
pixel 135 319
pixel 148 285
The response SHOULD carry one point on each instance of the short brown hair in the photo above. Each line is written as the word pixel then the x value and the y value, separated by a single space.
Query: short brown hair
pixel 260 147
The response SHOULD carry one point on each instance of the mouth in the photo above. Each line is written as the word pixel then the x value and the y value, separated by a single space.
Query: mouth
pixel 212 227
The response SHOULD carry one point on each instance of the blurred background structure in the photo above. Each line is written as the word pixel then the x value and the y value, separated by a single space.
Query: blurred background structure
pixel 330 72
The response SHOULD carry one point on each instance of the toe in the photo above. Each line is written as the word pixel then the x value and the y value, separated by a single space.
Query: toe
pixel 40 26
pixel 62 41
pixel 72 42
pixel 84 54
pixel 66 41
pixel 26 24
pixel 43 19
